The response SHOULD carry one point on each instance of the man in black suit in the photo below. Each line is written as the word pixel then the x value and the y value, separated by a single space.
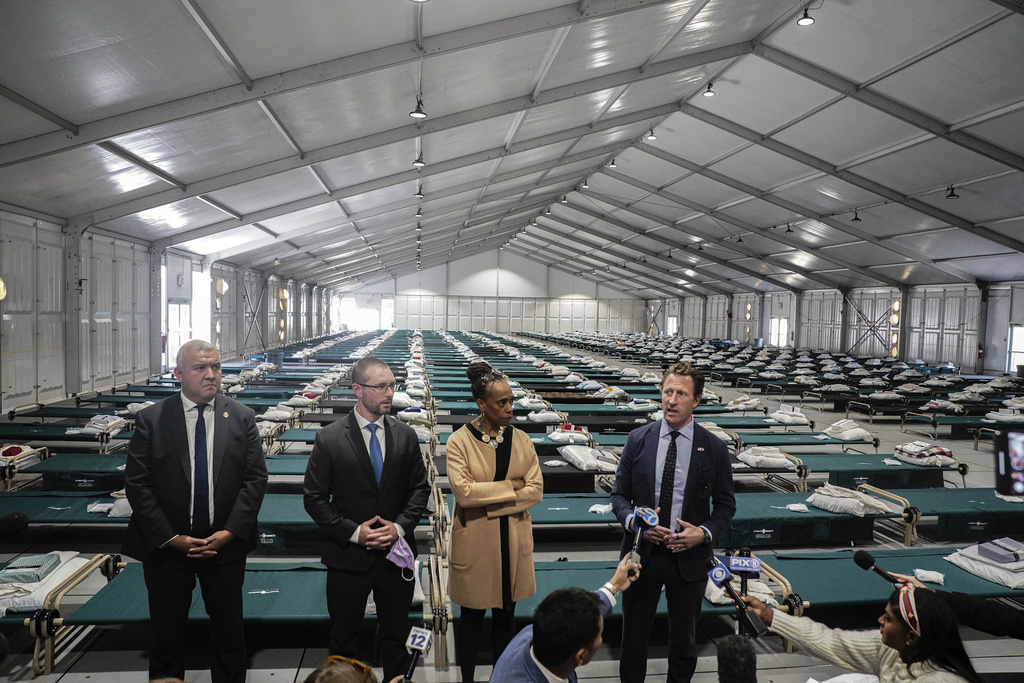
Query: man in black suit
pixel 366 486
pixel 195 479
pixel 677 467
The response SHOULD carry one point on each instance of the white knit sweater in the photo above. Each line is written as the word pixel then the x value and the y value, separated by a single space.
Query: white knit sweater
pixel 861 651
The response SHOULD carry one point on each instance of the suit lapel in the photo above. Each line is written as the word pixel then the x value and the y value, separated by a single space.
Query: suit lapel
pixel 179 436
pixel 220 436
pixel 651 446
pixel 358 446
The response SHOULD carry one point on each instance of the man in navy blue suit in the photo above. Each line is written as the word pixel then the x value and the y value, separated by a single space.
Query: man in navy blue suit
pixel 565 633
pixel 678 468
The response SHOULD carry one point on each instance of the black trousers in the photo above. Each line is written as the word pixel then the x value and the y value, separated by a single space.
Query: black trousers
pixel 170 596
pixel 639 604
pixel 346 603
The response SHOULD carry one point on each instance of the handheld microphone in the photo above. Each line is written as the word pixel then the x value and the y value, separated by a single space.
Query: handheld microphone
pixel 13 523
pixel 418 643
pixel 720 575
pixel 643 519
pixel 865 561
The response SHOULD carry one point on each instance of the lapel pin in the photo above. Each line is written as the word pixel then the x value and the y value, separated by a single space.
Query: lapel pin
pixel 699 448
pixel 226 414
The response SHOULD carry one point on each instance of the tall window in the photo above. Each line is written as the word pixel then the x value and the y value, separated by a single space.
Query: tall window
pixel 1016 347
pixel 179 329
pixel 779 332
pixel 672 325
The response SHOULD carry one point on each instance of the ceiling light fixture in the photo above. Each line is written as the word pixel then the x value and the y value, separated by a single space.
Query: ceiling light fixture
pixel 611 164
pixel 419 163
pixel 709 92
pixel 547 211
pixel 651 135
pixel 419 213
pixel 951 193
pixel 700 247
pixel 585 185
pixel 739 239
pixel 806 19
pixel 418 112
pixel 418 1
pixel 419 192
pixel 789 228
pixel 419 228
pixel 856 217
pixel 565 200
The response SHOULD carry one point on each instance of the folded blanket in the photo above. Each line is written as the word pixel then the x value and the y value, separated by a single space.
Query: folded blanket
pixel 924 453
pixel 847 501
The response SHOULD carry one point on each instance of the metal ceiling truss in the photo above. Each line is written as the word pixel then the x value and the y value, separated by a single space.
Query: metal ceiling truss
pixel 708 239
pixel 841 226
pixel 305 77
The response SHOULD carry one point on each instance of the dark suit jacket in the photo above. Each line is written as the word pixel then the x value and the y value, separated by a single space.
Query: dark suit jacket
pixel 516 664
pixel 158 480
pixel 707 501
pixel 340 491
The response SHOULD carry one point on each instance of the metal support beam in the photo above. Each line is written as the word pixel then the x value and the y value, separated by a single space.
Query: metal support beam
pixel 38 110
pixel 73 294
pixel 156 308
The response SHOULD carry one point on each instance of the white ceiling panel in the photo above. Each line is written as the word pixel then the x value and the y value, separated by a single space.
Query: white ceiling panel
pixel 1004 130
pixel 340 79
pixel 705 191
pixel 827 194
pixel 932 164
pixel 614 43
pixel 762 96
pixel 268 192
pixel 167 220
pixel 761 168
pixel 19 123
pixel 846 131
pixel 75 182
pixel 89 60
pixel 208 146
pixel 986 200
pixel 979 74
pixel 229 239
pixel 349 109
pixel 723 22
pixel 860 40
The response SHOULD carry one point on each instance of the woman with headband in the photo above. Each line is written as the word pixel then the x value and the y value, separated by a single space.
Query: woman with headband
pixel 495 477
pixel 918 640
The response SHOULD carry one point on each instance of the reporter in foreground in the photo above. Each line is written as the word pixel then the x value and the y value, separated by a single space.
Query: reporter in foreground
pixel 918 640
pixel 565 634
pixel 982 614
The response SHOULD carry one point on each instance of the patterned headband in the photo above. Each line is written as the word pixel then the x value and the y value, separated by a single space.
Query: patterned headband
pixel 908 609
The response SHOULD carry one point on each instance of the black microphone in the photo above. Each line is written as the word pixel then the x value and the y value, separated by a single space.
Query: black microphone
pixel 737 662
pixel 13 523
pixel 721 577
pixel 865 561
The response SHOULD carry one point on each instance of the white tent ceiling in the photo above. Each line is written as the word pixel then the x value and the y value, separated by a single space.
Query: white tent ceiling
pixel 277 136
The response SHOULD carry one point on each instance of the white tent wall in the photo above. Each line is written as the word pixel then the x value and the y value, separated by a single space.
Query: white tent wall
pixel 746 315
pixel 821 313
pixel 115 303
pixel 718 314
pixel 256 304
pixel 32 326
pixel 691 322
pixel 944 325
pixel 500 291
pixel 224 310
pixel 1005 308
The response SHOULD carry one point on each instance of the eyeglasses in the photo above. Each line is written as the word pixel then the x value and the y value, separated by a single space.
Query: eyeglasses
pixel 338 659
pixel 378 387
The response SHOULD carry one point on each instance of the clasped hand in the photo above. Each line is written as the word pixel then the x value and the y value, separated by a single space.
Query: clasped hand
pixel 687 537
pixel 377 537
pixel 201 548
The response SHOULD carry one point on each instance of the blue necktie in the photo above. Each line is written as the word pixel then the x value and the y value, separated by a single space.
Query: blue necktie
pixel 201 484
pixel 376 457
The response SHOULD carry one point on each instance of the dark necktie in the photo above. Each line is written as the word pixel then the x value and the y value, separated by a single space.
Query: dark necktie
pixel 376 457
pixel 668 482
pixel 201 484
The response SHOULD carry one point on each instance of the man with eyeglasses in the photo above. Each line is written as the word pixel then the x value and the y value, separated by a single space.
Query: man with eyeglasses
pixel 366 486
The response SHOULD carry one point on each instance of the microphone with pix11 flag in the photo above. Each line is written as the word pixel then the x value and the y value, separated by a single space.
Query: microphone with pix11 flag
pixel 720 575
pixel 643 519
pixel 866 562
pixel 418 643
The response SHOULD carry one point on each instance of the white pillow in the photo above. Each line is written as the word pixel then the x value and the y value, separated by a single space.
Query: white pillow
pixel 69 564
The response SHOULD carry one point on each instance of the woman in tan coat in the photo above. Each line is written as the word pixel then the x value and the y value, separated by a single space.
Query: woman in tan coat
pixel 495 476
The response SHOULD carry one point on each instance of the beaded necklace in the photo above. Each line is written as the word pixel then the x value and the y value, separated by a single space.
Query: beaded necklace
pixel 486 438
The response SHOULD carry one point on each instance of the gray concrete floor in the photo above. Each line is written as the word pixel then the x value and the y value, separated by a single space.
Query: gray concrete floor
pixel 116 655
